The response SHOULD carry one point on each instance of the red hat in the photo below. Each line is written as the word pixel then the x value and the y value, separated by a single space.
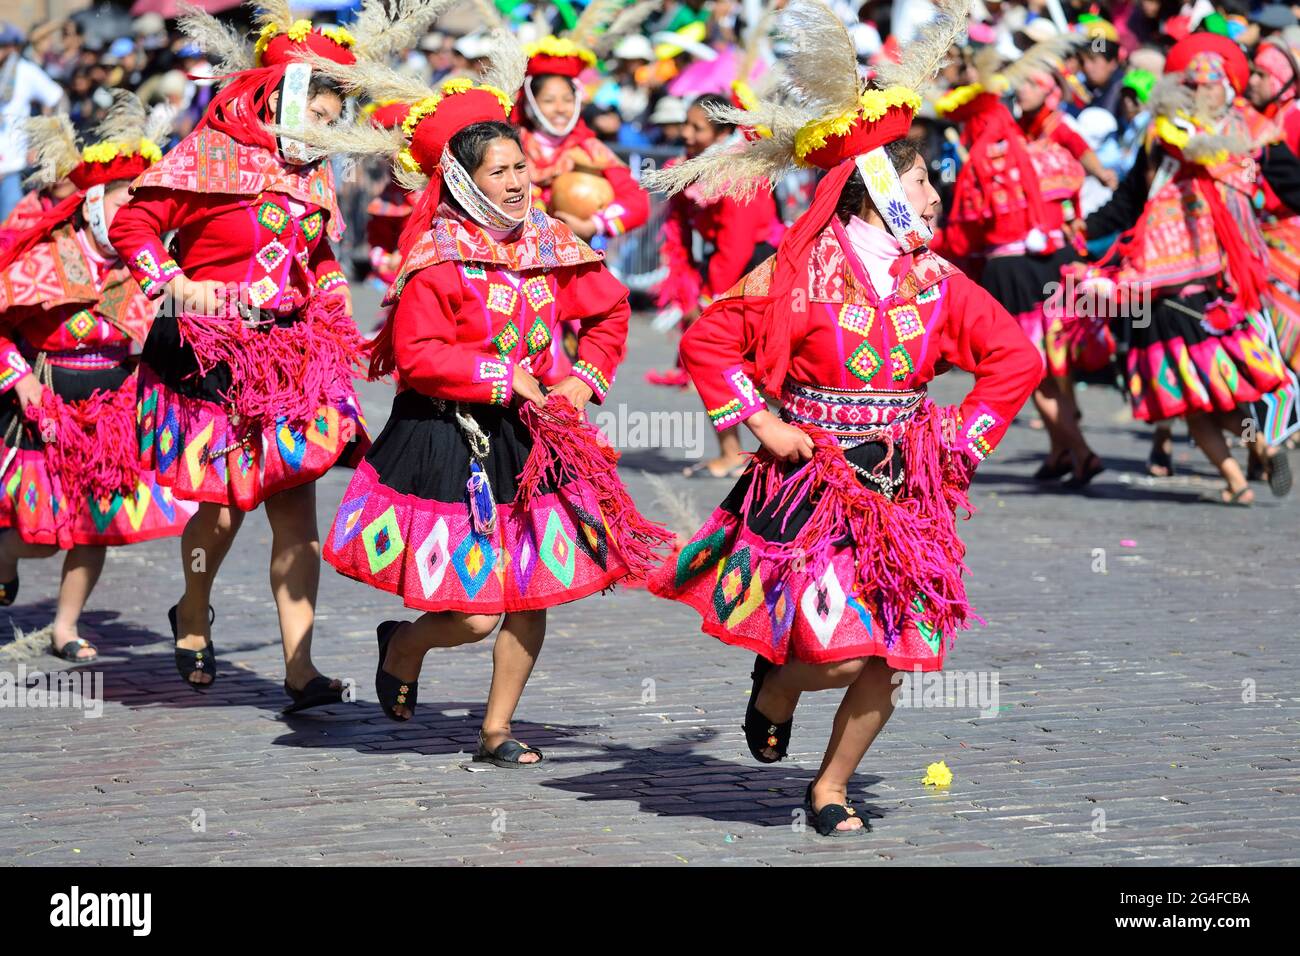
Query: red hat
pixel 388 114
pixel 881 116
pixel 122 165
pixel 431 123
pixel 274 48
pixel 1185 50
pixel 559 56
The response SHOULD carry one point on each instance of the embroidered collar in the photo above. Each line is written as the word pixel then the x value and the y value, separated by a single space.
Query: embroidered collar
pixel 209 161
pixel 542 244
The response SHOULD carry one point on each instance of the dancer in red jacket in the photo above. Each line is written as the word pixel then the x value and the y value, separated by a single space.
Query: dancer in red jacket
pixel 70 313
pixel 836 558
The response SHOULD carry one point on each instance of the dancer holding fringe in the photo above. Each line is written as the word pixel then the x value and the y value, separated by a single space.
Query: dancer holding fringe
pixel 246 393
pixel 485 500
pixel 69 314
pixel 836 558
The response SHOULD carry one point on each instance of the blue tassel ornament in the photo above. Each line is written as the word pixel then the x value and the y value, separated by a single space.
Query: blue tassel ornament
pixel 482 506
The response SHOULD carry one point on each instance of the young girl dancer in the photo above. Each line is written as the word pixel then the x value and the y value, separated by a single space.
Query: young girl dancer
pixel 836 558
pixel 246 393
pixel 484 501
pixel 69 315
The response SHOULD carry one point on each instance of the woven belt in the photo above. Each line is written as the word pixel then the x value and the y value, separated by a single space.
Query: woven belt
pixel 107 356
pixel 851 416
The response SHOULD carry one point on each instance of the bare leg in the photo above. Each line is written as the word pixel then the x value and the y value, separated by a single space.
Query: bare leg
pixel 867 706
pixel 411 641
pixel 1071 434
pixel 1162 450
pixel 518 644
pixel 13 548
pixel 1208 435
pixel 295 577
pixel 779 696
pixel 1046 401
pixel 81 569
pixel 731 454
pixel 205 543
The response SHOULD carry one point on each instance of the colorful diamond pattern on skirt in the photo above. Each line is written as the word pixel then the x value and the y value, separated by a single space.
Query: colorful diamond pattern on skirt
pixel 348 521
pixel 473 560
pixel 542 554
pixel 244 474
pixel 557 550
pixel 591 537
pixel 383 541
pixel 804 617
pixel 431 557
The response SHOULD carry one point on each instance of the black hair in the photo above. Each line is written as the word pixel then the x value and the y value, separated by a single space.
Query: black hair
pixel 535 83
pixel 319 83
pixel 902 154
pixel 713 99
pixel 470 144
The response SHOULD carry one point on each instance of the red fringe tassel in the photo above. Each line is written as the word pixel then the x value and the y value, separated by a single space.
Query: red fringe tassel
pixel 566 448
pixel 903 547
pixel 280 371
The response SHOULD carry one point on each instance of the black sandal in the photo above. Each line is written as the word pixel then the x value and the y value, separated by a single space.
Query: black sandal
pixel 828 818
pixel 391 691
pixel 187 661
pixel 1091 469
pixel 1159 458
pixel 760 732
pixel 69 650
pixel 316 693
pixel 8 592
pixel 507 754
pixel 1052 471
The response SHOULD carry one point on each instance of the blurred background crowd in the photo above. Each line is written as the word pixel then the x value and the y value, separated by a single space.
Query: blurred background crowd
pixel 66 54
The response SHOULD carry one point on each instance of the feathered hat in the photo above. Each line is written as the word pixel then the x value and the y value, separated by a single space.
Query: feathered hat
pixel 826 120
pixel 744 96
pixel 1209 57
pixel 592 38
pixel 122 146
pixel 251 72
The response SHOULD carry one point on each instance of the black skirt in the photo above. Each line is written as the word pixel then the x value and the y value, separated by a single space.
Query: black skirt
pixel 71 385
pixel 773 523
pixel 422 451
pixel 1019 283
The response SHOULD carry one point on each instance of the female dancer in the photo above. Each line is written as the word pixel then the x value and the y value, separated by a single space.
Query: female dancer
pixel 1013 209
pixel 246 394
pixel 1205 351
pixel 560 148
pixel 387 212
pixel 836 558
pixel 707 244
pixel 69 314
pixel 484 501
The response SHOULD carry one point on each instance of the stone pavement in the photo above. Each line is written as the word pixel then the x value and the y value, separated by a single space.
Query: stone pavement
pixel 1147 708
